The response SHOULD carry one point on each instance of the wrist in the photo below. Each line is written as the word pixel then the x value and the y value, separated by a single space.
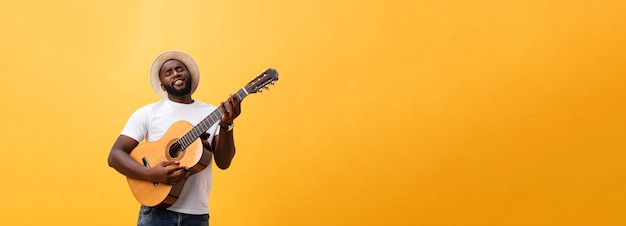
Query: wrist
pixel 148 176
pixel 228 127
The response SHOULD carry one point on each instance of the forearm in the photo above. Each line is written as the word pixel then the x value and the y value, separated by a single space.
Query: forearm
pixel 123 163
pixel 224 149
pixel 225 144
pixel 120 160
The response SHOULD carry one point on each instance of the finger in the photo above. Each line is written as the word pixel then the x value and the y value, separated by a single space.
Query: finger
pixel 237 106
pixel 234 102
pixel 236 99
pixel 223 106
pixel 230 102
pixel 174 169
pixel 179 175
pixel 170 163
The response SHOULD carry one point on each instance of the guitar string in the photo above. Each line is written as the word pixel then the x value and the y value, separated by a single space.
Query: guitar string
pixel 207 122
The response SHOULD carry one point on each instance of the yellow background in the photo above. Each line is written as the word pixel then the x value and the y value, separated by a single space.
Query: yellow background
pixel 386 112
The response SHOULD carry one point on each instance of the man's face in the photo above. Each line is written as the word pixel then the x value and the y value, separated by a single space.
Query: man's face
pixel 175 78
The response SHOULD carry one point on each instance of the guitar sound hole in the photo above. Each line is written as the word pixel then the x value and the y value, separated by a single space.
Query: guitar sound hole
pixel 175 150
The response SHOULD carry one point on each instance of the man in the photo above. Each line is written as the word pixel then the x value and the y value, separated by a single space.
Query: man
pixel 174 76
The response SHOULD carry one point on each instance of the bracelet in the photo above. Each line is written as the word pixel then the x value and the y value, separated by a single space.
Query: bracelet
pixel 229 127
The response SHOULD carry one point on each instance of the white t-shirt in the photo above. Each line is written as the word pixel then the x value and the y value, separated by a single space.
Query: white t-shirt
pixel 152 121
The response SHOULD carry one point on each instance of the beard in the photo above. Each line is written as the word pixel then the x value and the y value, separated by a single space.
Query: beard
pixel 179 93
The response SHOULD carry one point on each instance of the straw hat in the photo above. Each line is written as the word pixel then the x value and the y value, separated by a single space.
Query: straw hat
pixel 183 57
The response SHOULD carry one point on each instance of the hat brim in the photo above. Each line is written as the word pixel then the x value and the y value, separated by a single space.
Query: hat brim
pixel 183 57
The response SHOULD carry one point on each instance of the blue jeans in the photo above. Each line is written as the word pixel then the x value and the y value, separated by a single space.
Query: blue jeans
pixel 149 216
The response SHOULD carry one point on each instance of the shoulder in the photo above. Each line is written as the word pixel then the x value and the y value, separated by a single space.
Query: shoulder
pixel 154 105
pixel 148 108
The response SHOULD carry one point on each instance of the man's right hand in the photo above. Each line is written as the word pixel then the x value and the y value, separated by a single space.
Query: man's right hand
pixel 168 172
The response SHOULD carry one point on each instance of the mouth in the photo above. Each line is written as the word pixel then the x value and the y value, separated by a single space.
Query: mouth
pixel 178 82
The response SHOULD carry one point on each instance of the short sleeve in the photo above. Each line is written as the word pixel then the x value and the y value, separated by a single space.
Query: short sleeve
pixel 137 125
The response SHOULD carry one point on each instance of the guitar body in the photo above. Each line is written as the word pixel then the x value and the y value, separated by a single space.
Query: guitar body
pixel 149 154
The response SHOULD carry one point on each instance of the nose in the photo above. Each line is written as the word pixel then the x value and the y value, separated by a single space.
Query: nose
pixel 176 74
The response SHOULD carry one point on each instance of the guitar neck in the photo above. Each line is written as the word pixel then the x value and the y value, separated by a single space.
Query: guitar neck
pixel 207 122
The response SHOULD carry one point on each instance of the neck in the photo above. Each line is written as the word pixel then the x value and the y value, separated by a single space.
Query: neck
pixel 183 99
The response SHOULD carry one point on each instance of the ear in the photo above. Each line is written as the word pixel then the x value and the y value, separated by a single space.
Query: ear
pixel 162 87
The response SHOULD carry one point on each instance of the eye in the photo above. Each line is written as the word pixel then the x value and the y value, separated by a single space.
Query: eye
pixel 180 69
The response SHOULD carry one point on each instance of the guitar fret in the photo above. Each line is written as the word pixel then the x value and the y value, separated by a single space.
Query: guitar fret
pixel 184 144
pixel 207 122
pixel 196 133
pixel 213 118
pixel 204 125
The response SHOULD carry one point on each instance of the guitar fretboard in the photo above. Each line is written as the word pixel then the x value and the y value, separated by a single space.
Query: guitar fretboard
pixel 207 122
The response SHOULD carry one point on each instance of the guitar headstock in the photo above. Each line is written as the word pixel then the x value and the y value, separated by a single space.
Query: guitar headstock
pixel 257 84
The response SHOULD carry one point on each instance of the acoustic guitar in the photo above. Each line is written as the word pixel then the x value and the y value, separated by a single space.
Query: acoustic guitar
pixel 181 143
